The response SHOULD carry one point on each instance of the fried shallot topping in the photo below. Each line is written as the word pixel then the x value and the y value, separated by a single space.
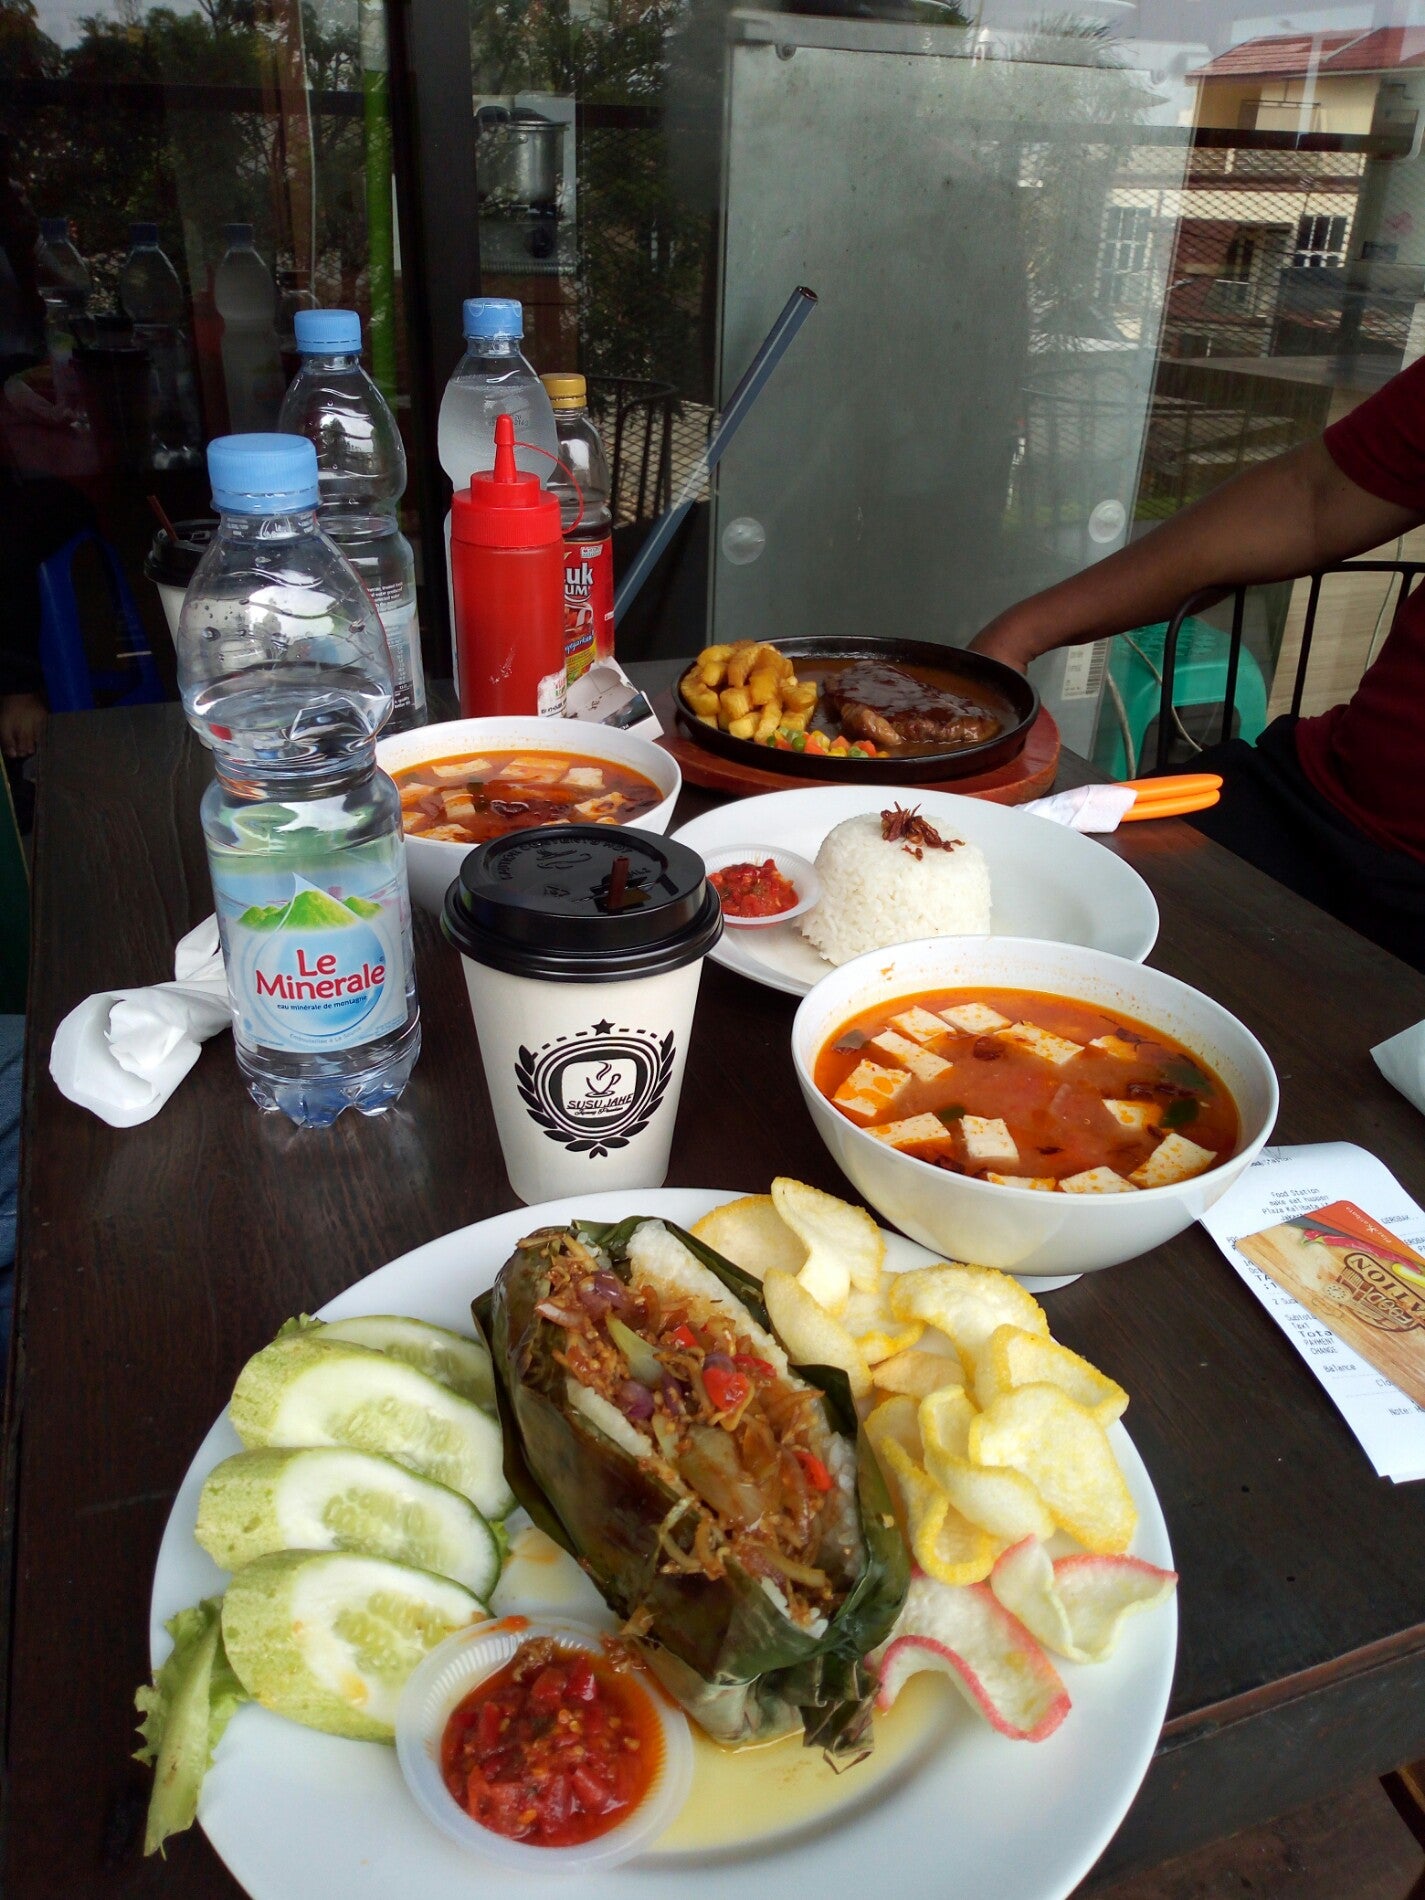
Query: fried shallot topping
pixel 912 832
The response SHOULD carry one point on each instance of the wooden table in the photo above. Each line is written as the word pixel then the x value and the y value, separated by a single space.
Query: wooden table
pixel 155 1260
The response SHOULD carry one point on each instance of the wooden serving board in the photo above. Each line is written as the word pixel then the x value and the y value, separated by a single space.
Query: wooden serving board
pixel 1030 775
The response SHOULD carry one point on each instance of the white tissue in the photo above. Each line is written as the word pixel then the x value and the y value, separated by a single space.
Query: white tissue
pixel 1086 807
pixel 1401 1060
pixel 122 1053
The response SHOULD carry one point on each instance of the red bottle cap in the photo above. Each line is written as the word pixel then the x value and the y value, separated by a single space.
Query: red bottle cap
pixel 504 507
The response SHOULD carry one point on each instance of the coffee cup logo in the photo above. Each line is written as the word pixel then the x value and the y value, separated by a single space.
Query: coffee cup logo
pixel 594 1091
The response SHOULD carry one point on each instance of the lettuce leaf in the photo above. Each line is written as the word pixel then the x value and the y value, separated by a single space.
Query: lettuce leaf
pixel 190 1703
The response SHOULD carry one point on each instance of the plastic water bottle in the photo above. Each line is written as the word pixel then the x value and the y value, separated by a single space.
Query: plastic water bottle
pixel 153 300
pixel 65 286
pixel 362 474
pixel 247 303
pixel 286 677
pixel 584 506
pixel 492 379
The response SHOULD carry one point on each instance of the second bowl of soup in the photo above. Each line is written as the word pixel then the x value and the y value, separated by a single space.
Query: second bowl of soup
pixel 1037 1107
pixel 469 780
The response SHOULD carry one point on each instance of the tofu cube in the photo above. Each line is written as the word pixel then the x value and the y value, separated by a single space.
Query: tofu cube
pixel 598 809
pixel 916 1131
pixel 589 777
pixel 1041 1042
pixel 1096 1181
pixel 448 834
pixel 411 796
pixel 868 1089
pixel 1139 1116
pixel 1041 1183
pixel 534 771
pixel 1174 1159
pixel 987 1138
pixel 908 1055
pixel 458 771
pixel 919 1025
pixel 1115 1046
pixel 459 807
pixel 975 1019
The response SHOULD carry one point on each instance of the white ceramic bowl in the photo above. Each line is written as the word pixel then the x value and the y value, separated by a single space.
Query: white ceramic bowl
pixel 1021 1230
pixel 433 864
pixel 800 874
pixel 447 1675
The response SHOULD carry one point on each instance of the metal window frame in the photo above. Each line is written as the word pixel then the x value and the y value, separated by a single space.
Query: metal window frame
pixel 433 132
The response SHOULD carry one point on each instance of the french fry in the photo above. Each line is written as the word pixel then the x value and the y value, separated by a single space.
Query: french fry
pixel 739 662
pixel 799 695
pixel 762 686
pixel 701 698
pixel 745 727
pixel 734 702
pixel 767 723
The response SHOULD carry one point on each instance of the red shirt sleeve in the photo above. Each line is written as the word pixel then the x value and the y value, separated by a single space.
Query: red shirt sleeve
pixel 1380 445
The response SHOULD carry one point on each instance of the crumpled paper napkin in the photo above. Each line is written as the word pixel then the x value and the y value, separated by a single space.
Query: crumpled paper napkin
pixel 1086 807
pixel 122 1053
pixel 1401 1060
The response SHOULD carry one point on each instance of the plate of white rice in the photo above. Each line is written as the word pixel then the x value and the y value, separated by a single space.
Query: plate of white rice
pixel 1006 873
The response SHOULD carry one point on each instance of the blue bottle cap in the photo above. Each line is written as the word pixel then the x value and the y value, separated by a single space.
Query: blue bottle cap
pixel 327 332
pixel 143 234
pixel 493 316
pixel 54 230
pixel 262 474
pixel 237 234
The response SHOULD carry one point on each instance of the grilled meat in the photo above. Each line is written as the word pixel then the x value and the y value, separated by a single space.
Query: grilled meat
pixel 891 707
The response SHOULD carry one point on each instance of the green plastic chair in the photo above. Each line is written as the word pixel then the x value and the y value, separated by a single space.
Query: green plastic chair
pixel 1200 679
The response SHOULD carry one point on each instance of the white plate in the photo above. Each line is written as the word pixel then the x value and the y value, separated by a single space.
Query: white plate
pixel 1047 881
pixel 302 1816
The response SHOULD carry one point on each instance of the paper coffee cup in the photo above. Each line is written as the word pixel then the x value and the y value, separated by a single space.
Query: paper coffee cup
pixel 170 564
pixel 583 948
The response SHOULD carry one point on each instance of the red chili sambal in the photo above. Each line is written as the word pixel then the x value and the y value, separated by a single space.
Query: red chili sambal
pixel 555 1748
pixel 754 890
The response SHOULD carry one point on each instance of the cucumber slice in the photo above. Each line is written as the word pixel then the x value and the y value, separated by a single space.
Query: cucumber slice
pixel 329 1638
pixel 307 1390
pixel 334 1499
pixel 462 1364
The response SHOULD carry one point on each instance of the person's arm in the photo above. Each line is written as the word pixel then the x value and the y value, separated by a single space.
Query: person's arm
pixel 1275 522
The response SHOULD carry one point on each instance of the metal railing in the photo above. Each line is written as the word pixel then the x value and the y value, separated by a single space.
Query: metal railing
pixel 1206 597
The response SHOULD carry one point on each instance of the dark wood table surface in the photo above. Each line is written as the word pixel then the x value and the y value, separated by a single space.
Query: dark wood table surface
pixel 155 1260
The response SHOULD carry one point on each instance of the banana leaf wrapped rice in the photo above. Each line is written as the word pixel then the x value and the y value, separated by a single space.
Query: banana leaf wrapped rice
pixel 726 1505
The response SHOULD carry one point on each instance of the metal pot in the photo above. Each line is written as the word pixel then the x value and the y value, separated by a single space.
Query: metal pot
pixel 517 154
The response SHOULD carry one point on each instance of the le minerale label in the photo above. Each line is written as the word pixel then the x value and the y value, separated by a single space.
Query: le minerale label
pixel 319 965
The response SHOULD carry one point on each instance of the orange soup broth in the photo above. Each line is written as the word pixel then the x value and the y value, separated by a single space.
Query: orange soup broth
pixel 502 792
pixel 1055 1114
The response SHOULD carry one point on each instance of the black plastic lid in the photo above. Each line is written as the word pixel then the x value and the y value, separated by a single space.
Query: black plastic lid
pixel 552 903
pixel 173 563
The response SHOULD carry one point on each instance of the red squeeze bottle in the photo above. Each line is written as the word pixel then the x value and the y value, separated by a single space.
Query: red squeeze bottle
pixel 507 573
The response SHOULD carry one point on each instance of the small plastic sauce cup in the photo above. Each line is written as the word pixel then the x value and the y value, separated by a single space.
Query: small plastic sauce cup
pixel 460 1664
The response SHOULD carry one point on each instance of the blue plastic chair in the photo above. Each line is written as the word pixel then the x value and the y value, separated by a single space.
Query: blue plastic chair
pixel 71 684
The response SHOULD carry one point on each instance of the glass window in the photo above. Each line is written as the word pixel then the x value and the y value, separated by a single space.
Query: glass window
pixel 178 181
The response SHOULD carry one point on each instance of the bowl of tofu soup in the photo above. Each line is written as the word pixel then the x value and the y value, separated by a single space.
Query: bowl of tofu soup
pixel 467 781
pixel 1042 1108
